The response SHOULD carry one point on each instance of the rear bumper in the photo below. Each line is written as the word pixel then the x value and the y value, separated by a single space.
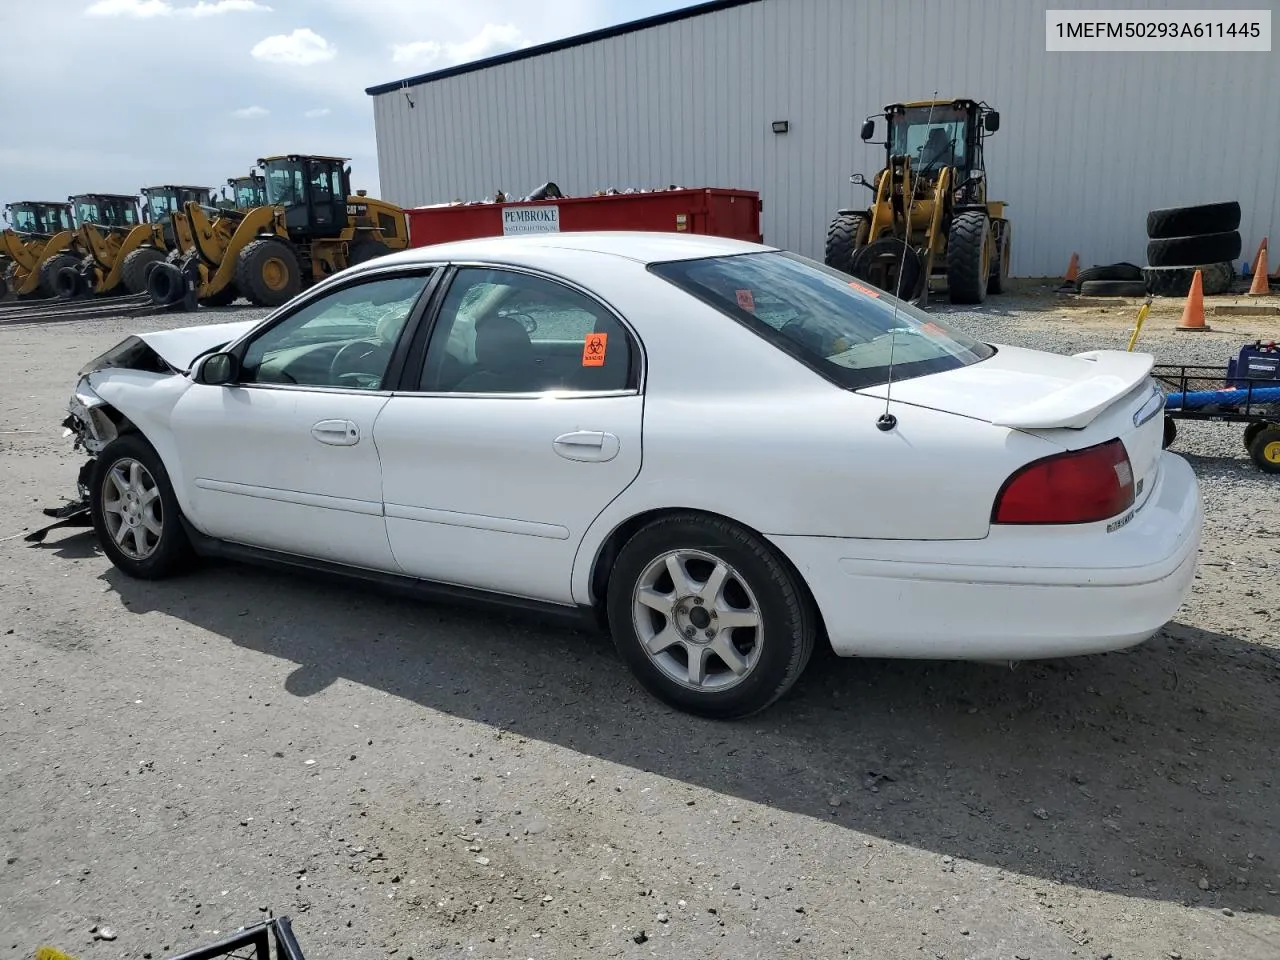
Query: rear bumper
pixel 1019 594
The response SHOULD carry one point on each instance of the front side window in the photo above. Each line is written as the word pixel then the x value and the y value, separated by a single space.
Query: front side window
pixel 285 184
pixel 501 331
pixel 87 212
pixel 26 221
pixel 843 330
pixel 342 340
pixel 159 206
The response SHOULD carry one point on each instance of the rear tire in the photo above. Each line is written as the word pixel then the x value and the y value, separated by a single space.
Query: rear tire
pixel 68 283
pixel 846 233
pixel 165 284
pixel 999 280
pixel 969 257
pixel 1188 251
pixel 268 273
pixel 1216 278
pixel 770 639
pixel 1191 221
pixel 1264 450
pixel 1251 431
pixel 135 512
pixel 51 267
pixel 133 272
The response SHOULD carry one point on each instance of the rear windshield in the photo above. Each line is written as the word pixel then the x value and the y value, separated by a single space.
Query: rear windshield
pixel 839 327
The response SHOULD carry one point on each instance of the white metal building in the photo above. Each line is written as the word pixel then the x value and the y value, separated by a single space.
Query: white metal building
pixel 1088 141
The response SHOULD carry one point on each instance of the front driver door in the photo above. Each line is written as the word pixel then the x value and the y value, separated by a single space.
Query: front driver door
pixel 285 459
pixel 524 425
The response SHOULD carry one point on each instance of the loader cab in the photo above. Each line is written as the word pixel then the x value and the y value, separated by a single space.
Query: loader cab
pixel 159 204
pixel 105 209
pixel 38 218
pixel 313 192
pixel 247 192
pixel 938 134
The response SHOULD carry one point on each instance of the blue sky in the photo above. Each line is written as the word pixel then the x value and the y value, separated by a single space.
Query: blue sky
pixel 120 94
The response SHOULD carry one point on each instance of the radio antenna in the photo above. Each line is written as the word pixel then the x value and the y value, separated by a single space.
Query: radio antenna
pixel 887 421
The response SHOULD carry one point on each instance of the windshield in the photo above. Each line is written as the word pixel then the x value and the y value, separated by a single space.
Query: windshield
pixel 933 137
pixel 107 211
pixel 249 194
pixel 841 329
pixel 284 183
pixel 160 205
pixel 34 219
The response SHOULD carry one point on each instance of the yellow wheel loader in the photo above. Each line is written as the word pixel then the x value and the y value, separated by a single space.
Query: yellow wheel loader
pixel 36 244
pixel 310 228
pixel 930 214
pixel 245 193
pixel 121 250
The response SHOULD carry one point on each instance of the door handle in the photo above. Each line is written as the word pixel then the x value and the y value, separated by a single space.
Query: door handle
pixel 337 433
pixel 593 445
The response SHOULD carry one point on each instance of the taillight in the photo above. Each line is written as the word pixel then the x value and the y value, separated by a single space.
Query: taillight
pixel 1080 486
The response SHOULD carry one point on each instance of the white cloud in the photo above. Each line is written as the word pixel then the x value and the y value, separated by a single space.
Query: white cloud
pixel 317 112
pixel 145 9
pixel 302 48
pixel 250 113
pixel 493 38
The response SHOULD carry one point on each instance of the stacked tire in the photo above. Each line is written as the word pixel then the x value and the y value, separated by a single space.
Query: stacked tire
pixel 1182 240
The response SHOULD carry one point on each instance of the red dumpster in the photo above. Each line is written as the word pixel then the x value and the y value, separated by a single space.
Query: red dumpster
pixel 709 210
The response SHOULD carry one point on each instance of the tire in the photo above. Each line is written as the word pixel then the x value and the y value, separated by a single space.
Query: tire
pixel 364 250
pixel 1216 278
pixel 134 271
pixel 999 280
pixel 1265 449
pixel 153 556
pixel 67 283
pixel 256 272
pixel 4 285
pixel 165 284
pixel 890 264
pixel 1194 220
pixel 1110 271
pixel 772 655
pixel 51 267
pixel 844 235
pixel 223 298
pixel 969 257
pixel 1250 432
pixel 1114 288
pixel 1188 251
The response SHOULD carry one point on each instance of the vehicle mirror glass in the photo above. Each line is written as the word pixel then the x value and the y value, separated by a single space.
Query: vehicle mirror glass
pixel 993 121
pixel 221 368
pixel 858 178
pixel 868 129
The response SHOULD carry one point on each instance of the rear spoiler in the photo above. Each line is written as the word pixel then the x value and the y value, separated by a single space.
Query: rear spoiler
pixel 1078 405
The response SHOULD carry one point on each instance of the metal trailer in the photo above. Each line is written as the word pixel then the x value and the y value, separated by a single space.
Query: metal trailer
pixel 1220 394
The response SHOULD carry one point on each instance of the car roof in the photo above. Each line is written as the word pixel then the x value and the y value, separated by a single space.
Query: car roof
pixel 640 246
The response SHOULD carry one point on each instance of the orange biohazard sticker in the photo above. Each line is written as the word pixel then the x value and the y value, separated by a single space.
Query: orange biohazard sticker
pixel 746 301
pixel 864 290
pixel 593 350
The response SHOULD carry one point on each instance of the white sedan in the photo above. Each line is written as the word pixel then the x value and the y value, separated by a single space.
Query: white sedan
pixel 722 452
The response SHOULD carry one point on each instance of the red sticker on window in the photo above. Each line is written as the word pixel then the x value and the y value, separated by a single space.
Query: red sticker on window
pixel 746 301
pixel 864 290
pixel 594 348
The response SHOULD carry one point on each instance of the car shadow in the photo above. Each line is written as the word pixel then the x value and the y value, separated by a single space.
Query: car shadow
pixel 1146 773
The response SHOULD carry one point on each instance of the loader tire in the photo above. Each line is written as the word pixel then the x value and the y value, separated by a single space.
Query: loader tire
pixel 268 273
pixel 969 257
pixel 133 272
pixel 49 271
pixel 362 251
pixel 1188 251
pixel 1114 288
pixel 1110 271
pixel 1215 278
pixel 165 284
pixel 843 239
pixel 68 283
pixel 1193 221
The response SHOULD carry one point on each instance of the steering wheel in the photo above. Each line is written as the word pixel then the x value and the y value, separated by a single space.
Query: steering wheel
pixel 530 324
pixel 359 360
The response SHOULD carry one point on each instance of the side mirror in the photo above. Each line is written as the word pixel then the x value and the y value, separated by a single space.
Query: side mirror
pixel 868 129
pixel 218 369
pixel 858 178
pixel 992 123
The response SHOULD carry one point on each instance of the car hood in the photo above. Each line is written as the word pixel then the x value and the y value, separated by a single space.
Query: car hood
pixel 180 347
pixel 1028 389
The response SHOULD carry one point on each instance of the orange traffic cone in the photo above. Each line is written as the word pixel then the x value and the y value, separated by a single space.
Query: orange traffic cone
pixel 1262 248
pixel 1073 270
pixel 1193 312
pixel 1260 287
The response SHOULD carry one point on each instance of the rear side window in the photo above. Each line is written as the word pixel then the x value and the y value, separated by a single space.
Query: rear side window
pixel 842 329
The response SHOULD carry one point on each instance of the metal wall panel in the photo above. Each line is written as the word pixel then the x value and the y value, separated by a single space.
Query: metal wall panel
pixel 1088 141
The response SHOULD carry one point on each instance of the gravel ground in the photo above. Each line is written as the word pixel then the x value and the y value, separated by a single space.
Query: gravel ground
pixel 413 780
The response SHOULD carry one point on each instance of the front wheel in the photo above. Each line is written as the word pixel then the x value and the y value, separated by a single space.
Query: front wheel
pixel 708 617
pixel 135 512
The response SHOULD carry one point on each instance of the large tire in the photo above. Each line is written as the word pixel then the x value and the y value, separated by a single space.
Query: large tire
pixel 844 235
pixel 366 249
pixel 68 283
pixel 999 279
pixel 49 271
pixel 769 655
pixel 133 272
pixel 1188 251
pixel 1192 221
pixel 135 512
pixel 1114 288
pixel 1110 271
pixel 969 257
pixel 1216 278
pixel 893 266
pixel 165 284
pixel 268 273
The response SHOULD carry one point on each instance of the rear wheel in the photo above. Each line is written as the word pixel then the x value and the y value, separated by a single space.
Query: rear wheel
pixel 1264 449
pixel 1251 431
pixel 267 272
pixel 708 617
pixel 50 269
pixel 845 234
pixel 999 280
pixel 133 272
pixel 969 257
